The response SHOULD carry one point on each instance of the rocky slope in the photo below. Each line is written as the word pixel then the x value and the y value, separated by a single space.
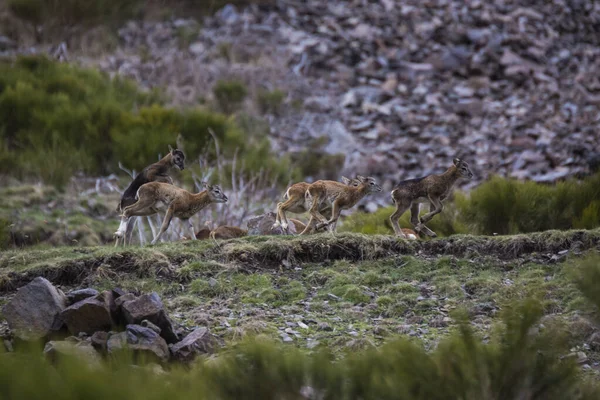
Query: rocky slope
pixel 399 88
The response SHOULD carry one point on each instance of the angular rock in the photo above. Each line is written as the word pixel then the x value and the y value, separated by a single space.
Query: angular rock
pixel 144 343
pixel 150 307
pixel 35 310
pixel 147 324
pixel 118 316
pixel 197 342
pixel 123 299
pixel 318 104
pixel 88 316
pixel 99 341
pixel 81 294
pixel 263 225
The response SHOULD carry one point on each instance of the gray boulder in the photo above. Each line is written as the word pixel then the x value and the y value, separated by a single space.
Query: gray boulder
pixel 34 312
pixel 76 296
pixel 144 342
pixel 150 307
pixel 89 315
pixel 197 342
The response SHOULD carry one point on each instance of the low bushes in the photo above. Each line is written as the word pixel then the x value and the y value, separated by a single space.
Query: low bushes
pixel 57 119
pixel 229 95
pixel 507 206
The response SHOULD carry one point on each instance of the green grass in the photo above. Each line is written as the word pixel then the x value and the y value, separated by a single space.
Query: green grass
pixel 361 328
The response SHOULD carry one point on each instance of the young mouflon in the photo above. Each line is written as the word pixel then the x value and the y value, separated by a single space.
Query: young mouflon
pixel 432 189
pixel 338 196
pixel 296 202
pixel 157 172
pixel 157 196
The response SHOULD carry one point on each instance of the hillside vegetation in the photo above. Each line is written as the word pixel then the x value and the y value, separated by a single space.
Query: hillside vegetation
pixel 58 119
pixel 343 318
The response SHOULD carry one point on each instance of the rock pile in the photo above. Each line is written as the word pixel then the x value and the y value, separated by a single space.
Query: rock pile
pixel 398 87
pixel 402 88
pixel 101 324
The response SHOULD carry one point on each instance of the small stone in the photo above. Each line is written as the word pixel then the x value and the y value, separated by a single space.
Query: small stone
pixel 81 294
pixel 302 325
pixel 318 104
pixel 143 341
pixel 198 342
pixel 324 326
pixel 99 341
pixel 197 48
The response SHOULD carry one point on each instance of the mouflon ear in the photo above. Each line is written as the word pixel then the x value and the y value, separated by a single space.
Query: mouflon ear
pixel 360 178
pixel 170 149
pixel 205 185
pixel 345 180
pixel 456 161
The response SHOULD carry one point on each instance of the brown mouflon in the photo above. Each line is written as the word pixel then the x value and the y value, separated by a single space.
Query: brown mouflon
pixel 432 189
pixel 339 196
pixel 157 172
pixel 295 202
pixel 156 196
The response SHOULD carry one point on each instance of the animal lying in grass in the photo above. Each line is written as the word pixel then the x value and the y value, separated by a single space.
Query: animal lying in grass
pixel 432 189
pixel 410 234
pixel 228 232
pixel 157 172
pixel 157 196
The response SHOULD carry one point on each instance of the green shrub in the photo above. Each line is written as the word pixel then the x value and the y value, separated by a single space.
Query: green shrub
pixel 68 12
pixel 29 10
pixel 229 95
pixel 270 101
pixel 57 119
pixel 507 206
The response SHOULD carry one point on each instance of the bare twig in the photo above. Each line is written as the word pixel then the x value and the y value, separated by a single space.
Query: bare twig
pixel 131 173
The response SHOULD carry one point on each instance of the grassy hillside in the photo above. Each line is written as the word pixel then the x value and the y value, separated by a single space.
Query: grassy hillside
pixel 353 290
pixel 342 298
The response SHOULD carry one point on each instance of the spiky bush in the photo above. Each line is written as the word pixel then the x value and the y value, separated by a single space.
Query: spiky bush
pixel 508 206
pixel 229 95
pixel 270 101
